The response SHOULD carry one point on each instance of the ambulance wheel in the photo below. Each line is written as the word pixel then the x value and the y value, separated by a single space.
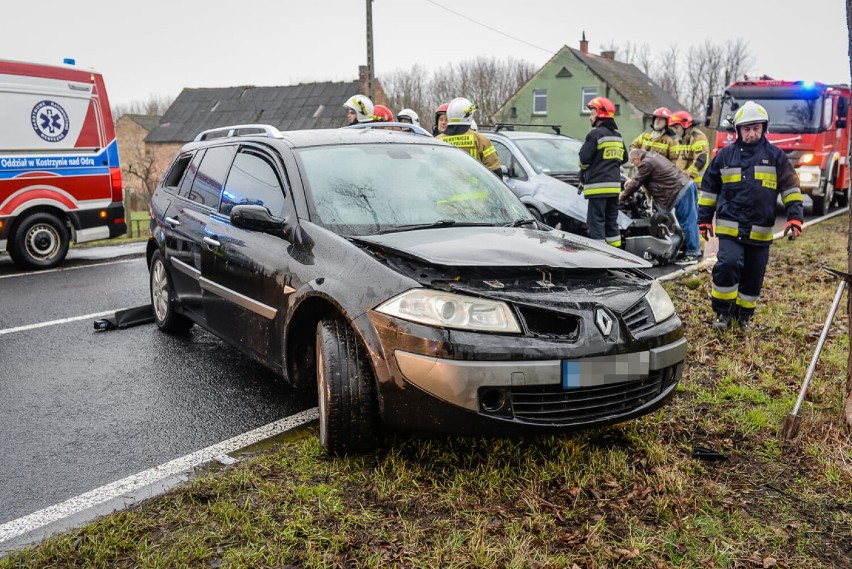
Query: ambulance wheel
pixel 39 241
pixel 165 316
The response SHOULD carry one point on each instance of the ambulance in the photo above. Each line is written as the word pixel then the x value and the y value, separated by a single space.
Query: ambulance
pixel 60 178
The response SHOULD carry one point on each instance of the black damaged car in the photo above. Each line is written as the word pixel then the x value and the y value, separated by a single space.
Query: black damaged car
pixel 407 284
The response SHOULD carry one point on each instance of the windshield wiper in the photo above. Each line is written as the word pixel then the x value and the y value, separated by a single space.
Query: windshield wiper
pixel 520 222
pixel 439 223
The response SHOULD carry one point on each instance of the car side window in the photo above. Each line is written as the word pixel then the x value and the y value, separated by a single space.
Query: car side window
pixel 507 158
pixel 189 174
pixel 252 180
pixel 207 186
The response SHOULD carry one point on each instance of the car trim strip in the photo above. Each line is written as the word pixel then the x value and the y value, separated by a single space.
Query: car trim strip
pixel 458 382
pixel 240 299
pixel 189 271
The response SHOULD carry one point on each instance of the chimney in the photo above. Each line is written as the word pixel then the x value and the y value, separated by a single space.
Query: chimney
pixel 363 80
pixel 584 45
pixel 608 55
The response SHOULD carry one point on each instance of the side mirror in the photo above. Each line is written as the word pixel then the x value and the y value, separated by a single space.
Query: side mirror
pixel 504 170
pixel 728 123
pixel 708 111
pixel 842 107
pixel 841 122
pixel 258 218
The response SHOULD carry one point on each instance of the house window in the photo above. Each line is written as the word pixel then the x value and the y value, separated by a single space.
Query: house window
pixel 589 93
pixel 539 101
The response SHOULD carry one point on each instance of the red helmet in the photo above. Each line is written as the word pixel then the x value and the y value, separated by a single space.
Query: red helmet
pixel 682 118
pixel 442 110
pixel 663 113
pixel 604 107
pixel 382 114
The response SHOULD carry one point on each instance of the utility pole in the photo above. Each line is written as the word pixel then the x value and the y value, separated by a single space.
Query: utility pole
pixel 370 90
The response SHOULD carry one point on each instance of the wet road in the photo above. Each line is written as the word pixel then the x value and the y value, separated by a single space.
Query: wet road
pixel 81 408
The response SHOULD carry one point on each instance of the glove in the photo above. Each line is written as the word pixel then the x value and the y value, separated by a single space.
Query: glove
pixel 706 230
pixel 794 228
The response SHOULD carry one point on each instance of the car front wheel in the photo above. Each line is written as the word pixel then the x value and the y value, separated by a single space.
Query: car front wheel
pixel 346 391
pixel 165 316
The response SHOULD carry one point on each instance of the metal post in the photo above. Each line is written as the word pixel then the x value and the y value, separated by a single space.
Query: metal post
pixel 370 89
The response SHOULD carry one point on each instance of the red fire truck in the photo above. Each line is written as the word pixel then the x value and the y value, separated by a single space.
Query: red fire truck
pixel 809 121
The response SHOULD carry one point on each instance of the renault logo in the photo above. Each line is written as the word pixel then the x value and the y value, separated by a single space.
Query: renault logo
pixel 604 322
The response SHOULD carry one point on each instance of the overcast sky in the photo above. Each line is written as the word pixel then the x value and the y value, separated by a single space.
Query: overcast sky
pixel 158 47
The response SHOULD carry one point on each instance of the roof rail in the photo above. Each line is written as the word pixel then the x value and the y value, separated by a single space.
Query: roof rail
pixel 557 128
pixel 239 130
pixel 401 126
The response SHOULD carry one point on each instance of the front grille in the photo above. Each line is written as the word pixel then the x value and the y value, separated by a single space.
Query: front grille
pixel 550 405
pixel 638 317
pixel 567 177
pixel 550 324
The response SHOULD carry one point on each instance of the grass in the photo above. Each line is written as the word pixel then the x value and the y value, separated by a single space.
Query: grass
pixel 625 496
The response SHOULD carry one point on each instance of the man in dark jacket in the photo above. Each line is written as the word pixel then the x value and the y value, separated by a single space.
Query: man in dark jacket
pixel 601 157
pixel 671 189
pixel 741 187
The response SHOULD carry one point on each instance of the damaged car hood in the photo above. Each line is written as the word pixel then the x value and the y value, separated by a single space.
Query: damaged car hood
pixel 503 247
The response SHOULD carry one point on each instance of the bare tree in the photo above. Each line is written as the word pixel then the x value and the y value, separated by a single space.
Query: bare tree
pixel 737 60
pixel 667 73
pixel 486 81
pixel 705 75
pixel 156 105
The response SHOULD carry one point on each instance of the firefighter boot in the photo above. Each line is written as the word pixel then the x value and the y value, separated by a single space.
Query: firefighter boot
pixel 723 322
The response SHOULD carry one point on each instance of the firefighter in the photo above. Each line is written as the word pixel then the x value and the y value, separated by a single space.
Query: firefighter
pixel 692 148
pixel 360 109
pixel 660 138
pixel 408 116
pixel 382 114
pixel 601 157
pixel 440 120
pixel 741 187
pixel 459 134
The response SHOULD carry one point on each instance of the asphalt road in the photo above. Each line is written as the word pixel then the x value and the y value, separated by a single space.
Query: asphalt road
pixel 81 408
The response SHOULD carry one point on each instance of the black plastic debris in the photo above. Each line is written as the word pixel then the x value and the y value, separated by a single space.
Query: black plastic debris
pixel 126 318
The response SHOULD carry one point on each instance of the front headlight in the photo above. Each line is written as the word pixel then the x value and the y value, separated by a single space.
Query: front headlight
pixel 808 176
pixel 660 303
pixel 445 309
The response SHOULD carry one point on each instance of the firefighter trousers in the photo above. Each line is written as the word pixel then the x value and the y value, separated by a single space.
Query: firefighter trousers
pixel 602 220
pixel 738 277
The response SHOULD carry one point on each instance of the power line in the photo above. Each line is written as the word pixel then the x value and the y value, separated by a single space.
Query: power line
pixel 489 27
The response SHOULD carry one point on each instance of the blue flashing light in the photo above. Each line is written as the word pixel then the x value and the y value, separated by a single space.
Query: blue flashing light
pixel 69 61
pixel 808 84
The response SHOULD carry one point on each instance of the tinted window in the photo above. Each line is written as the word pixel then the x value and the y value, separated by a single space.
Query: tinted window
pixel 176 172
pixel 208 183
pixel 252 180
pixel 189 174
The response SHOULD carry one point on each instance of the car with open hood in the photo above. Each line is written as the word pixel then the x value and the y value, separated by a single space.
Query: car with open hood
pixel 404 282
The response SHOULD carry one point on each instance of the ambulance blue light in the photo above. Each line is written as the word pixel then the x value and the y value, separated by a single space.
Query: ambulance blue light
pixel 808 84
pixel 69 61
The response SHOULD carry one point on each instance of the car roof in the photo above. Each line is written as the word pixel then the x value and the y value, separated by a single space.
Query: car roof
pixel 526 134
pixel 320 137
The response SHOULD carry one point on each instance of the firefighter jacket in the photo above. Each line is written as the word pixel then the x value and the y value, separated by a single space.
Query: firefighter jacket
pixel 660 142
pixel 692 153
pixel 665 183
pixel 601 157
pixel 741 187
pixel 477 145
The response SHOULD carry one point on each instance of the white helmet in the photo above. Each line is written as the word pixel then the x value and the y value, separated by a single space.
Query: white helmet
pixel 409 114
pixel 473 125
pixel 750 113
pixel 362 105
pixel 460 111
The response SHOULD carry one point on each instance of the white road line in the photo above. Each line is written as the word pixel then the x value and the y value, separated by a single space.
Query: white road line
pixel 46 271
pixel 55 322
pixel 116 489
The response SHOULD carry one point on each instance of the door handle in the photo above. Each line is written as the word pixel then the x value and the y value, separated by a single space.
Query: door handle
pixel 172 221
pixel 211 243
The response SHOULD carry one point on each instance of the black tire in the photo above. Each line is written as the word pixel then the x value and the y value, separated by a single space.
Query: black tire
pixel 39 241
pixel 534 212
pixel 841 197
pixel 162 306
pixel 346 391
pixel 820 205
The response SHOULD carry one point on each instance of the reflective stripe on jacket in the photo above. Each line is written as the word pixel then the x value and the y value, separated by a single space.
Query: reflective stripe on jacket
pixel 477 145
